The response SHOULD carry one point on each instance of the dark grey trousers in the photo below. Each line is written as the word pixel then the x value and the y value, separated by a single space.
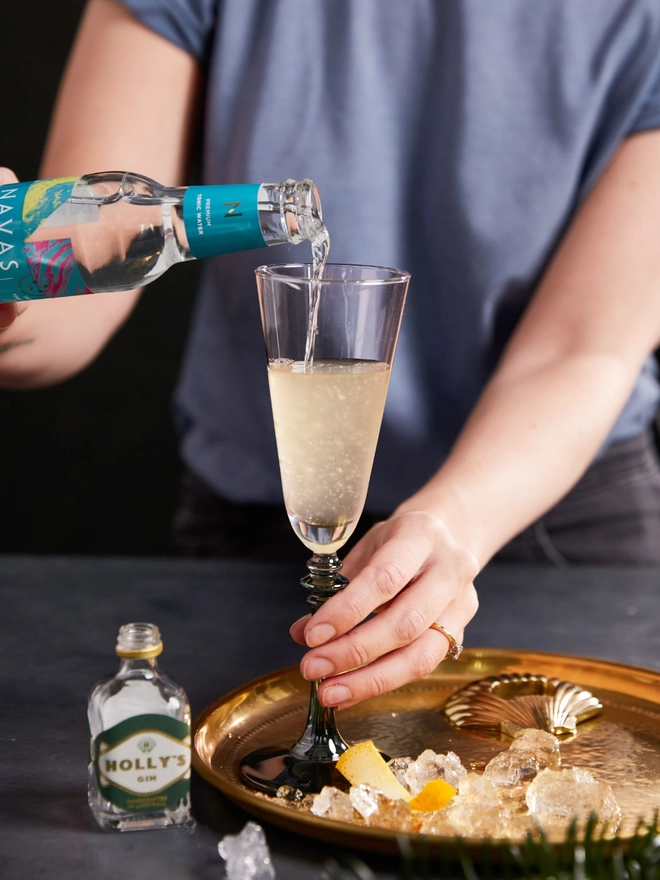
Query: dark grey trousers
pixel 612 516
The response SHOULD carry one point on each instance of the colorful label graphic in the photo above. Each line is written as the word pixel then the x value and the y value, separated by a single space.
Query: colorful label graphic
pixel 35 269
pixel 54 268
pixel 143 764
pixel 222 219
pixel 43 198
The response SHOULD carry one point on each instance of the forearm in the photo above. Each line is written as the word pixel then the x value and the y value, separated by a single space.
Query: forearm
pixel 528 441
pixel 52 340
pixel 569 367
pixel 117 68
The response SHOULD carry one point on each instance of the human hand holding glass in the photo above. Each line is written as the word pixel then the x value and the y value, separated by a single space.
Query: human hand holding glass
pixel 412 569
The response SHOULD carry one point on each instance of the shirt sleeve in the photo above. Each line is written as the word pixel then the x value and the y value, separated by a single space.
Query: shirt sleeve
pixel 186 23
pixel 649 113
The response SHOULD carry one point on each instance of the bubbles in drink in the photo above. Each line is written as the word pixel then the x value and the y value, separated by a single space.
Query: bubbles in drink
pixel 327 417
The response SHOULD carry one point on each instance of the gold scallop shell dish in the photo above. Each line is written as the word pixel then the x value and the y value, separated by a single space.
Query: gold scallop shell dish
pixel 509 703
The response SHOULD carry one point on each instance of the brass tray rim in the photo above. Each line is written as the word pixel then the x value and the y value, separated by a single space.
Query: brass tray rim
pixel 379 839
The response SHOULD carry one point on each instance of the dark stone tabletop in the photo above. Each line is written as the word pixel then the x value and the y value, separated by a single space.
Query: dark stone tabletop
pixel 223 623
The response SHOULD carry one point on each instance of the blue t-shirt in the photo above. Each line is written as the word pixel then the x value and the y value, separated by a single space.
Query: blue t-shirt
pixel 454 139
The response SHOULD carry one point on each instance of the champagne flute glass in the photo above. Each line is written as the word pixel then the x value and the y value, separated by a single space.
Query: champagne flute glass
pixel 328 400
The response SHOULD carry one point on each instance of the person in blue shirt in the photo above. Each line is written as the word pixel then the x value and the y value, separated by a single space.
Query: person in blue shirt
pixel 508 156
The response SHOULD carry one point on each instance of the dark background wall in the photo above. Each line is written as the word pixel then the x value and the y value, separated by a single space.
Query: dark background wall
pixel 89 466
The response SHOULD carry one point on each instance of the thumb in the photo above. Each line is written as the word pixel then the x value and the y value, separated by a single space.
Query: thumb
pixel 7 176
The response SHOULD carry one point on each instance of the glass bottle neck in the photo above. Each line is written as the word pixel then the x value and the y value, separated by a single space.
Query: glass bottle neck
pixel 128 666
pixel 239 217
pixel 290 212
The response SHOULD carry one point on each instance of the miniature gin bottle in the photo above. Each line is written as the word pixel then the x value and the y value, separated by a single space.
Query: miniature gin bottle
pixel 139 721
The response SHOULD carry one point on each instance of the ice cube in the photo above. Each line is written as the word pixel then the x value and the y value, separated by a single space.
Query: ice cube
pixel 514 825
pixel 289 793
pixel 305 804
pixel 332 803
pixel 365 800
pixel 572 793
pixel 476 788
pixel 247 855
pixel 478 811
pixel 429 766
pixel 379 811
pixel 544 745
pixel 437 823
pixel 512 769
pixel 471 819
pixel 398 766
pixel 474 811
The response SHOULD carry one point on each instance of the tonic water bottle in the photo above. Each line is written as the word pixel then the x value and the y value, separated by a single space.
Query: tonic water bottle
pixel 139 721
pixel 118 230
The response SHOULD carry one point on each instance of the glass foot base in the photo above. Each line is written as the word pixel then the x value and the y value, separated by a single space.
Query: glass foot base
pixel 268 769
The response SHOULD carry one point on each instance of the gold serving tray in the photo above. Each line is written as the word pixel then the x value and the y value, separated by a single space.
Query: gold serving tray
pixel 620 746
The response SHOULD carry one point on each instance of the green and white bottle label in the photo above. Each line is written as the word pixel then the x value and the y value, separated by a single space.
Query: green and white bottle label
pixel 143 764
pixel 222 219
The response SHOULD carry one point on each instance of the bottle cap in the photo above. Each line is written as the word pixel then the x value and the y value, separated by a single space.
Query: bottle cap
pixel 139 641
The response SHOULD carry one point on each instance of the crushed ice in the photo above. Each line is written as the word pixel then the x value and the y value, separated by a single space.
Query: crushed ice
pixel 430 766
pixel 520 789
pixel 247 855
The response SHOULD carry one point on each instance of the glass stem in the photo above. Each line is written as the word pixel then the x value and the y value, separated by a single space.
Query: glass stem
pixel 321 741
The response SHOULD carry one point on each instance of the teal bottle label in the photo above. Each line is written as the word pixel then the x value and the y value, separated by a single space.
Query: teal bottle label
pixel 142 764
pixel 222 219
pixel 34 262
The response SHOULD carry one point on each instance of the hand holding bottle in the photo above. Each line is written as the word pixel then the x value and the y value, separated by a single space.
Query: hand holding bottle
pixel 48 344
pixel 116 230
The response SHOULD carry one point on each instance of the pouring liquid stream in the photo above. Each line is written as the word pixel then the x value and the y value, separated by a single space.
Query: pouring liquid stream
pixel 320 250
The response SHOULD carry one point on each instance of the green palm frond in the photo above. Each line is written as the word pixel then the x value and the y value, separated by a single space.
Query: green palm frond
pixel 582 856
